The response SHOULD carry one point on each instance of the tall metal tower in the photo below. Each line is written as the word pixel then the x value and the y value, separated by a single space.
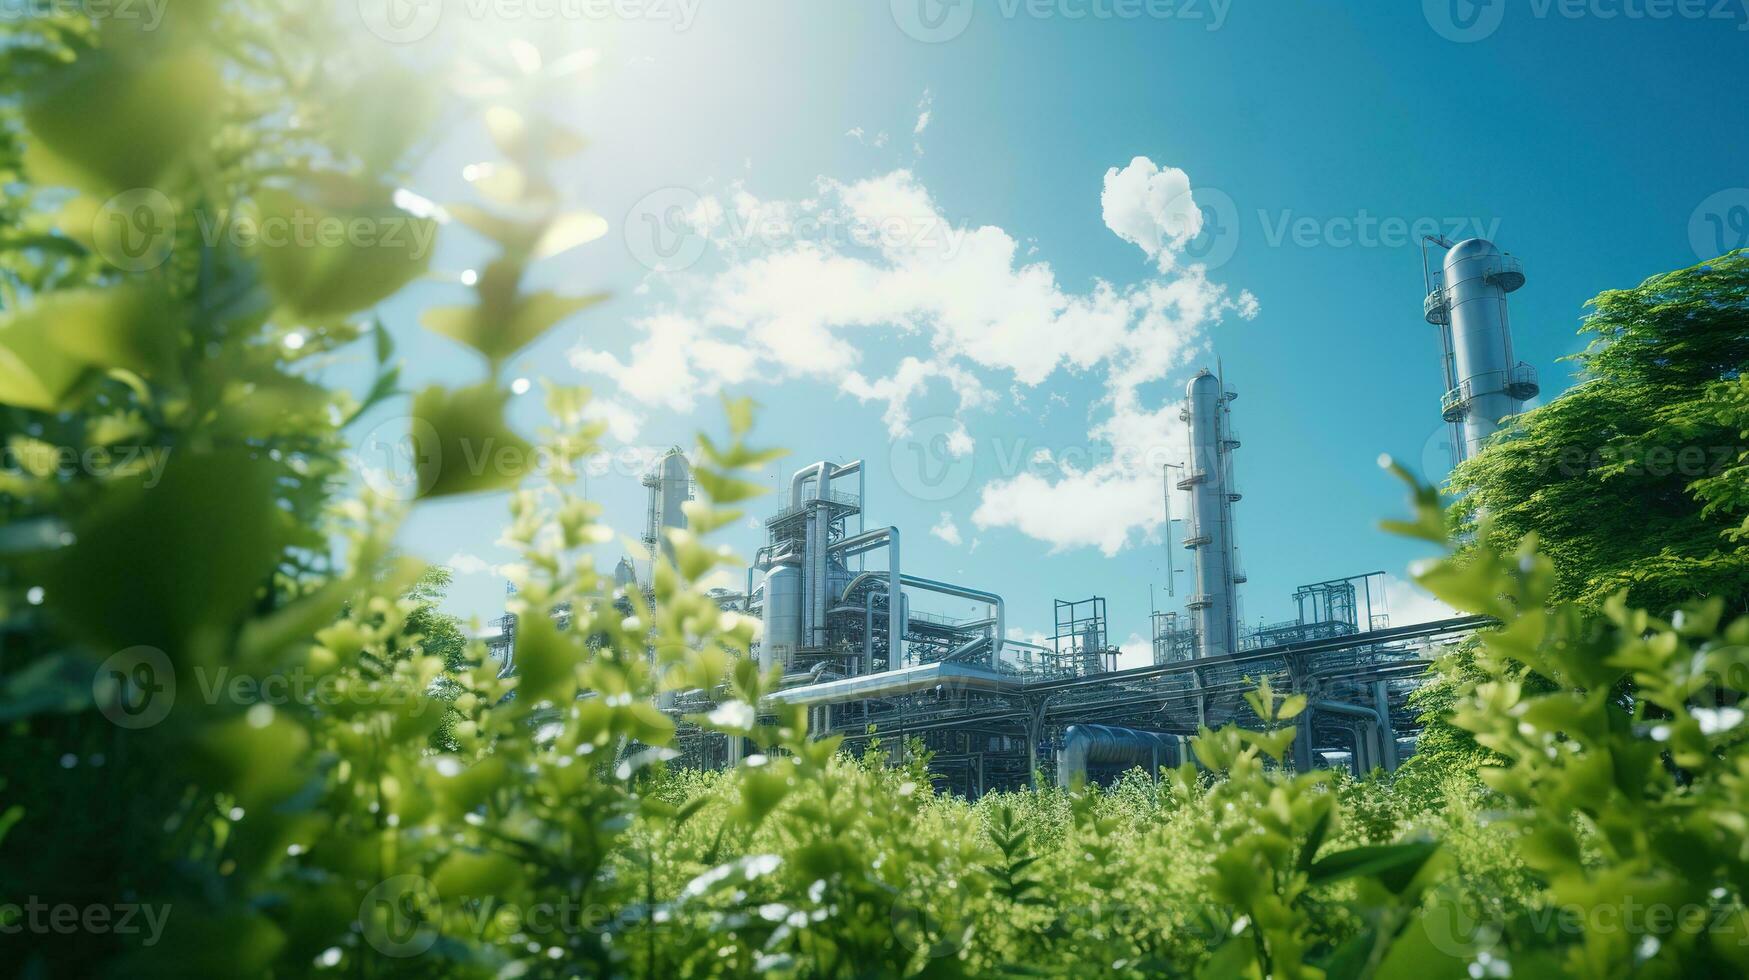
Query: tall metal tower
pixel 670 484
pixel 1209 534
pixel 1467 302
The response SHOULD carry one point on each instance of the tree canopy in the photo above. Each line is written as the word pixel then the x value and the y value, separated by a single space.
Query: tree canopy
pixel 1638 477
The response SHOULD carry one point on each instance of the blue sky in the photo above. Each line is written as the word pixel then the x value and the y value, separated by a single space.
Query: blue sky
pixel 1600 149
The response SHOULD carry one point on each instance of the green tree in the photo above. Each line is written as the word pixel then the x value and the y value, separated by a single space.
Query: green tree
pixel 1638 477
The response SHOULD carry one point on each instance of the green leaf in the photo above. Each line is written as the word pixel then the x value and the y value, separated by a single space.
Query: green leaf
pixel 129 327
pixel 546 661
pixel 1315 837
pixel 1394 865
pixel 131 576
pixel 467 875
pixel 346 251
pixel 57 684
pixel 463 445
pixel 726 489
pixel 117 120
pixel 35 371
pixel 499 333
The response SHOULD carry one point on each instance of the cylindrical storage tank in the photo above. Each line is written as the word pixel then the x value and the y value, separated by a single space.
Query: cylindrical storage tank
pixel 782 617
pixel 1490 385
pixel 1110 746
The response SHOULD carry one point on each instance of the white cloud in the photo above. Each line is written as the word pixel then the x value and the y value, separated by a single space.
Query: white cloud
pixel 923 115
pixel 623 424
pixel 1152 207
pixel 875 264
pixel 1137 651
pixel 462 563
pixel 879 139
pixel 909 381
pixel 946 529
pixel 1098 509
pixel 1409 603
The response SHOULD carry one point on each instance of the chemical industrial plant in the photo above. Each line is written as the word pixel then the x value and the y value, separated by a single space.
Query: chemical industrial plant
pixel 834 593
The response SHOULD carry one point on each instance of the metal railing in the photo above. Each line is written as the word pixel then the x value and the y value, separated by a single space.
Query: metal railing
pixel 1436 308
pixel 1454 404
pixel 1508 274
pixel 1521 382
pixel 849 500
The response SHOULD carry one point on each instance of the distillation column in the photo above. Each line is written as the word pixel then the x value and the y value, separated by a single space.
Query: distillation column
pixel 670 486
pixel 1209 478
pixel 1484 383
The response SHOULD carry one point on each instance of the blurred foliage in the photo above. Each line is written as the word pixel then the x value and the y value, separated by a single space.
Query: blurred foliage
pixel 225 698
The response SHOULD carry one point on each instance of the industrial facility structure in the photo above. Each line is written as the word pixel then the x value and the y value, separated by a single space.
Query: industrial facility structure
pixel 1484 382
pixel 994 710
